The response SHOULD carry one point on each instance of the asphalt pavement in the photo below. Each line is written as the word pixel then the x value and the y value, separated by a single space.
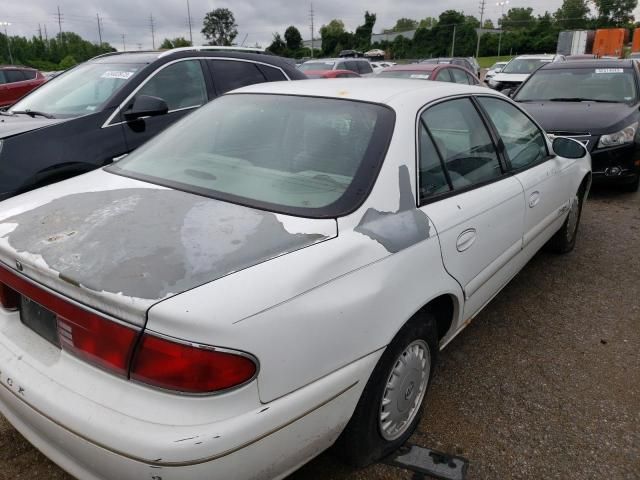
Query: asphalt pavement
pixel 544 383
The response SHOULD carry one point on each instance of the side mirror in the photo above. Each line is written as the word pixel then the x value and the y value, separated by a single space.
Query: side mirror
pixel 498 70
pixel 508 92
pixel 146 106
pixel 568 148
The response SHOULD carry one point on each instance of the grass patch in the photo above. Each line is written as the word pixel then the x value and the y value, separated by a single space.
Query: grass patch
pixel 486 62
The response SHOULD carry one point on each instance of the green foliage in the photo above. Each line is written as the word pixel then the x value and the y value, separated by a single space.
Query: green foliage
pixel 47 55
pixel 67 62
pixel 518 19
pixel 488 24
pixel 362 36
pixel 277 47
pixel 404 24
pixel 293 38
pixel 572 15
pixel 330 35
pixel 174 43
pixel 617 13
pixel 220 27
pixel 428 22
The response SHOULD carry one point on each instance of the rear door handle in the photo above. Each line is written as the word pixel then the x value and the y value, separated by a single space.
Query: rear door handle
pixel 534 199
pixel 466 239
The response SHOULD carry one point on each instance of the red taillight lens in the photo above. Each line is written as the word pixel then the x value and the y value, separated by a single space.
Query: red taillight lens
pixel 188 368
pixel 97 340
pixel 9 298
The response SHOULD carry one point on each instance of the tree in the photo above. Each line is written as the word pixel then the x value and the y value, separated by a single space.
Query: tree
pixel 573 14
pixel 293 38
pixel 518 19
pixel 615 12
pixel 428 22
pixel 277 47
pixel 443 32
pixel 220 27
pixel 404 24
pixel 178 42
pixel 473 21
pixel 330 35
pixel 488 24
pixel 362 40
pixel 67 62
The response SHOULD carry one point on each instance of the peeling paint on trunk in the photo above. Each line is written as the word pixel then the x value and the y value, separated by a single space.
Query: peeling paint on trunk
pixel 147 243
pixel 396 231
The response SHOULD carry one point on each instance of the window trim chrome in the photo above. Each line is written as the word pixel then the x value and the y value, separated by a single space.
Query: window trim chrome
pixel 122 105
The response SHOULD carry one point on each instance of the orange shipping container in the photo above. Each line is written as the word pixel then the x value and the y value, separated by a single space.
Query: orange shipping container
pixel 635 46
pixel 609 42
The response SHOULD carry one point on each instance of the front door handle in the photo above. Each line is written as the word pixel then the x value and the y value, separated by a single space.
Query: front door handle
pixel 534 199
pixel 466 239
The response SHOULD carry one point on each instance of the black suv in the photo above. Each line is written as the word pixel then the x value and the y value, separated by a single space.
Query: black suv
pixel 108 106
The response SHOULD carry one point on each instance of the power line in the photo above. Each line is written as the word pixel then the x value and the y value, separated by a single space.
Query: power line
pixel 153 31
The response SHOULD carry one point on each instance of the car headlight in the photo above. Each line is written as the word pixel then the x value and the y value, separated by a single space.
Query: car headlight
pixel 626 135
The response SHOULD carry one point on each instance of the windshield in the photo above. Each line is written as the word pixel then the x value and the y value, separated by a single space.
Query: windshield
pixel 80 91
pixel 316 66
pixel 524 65
pixel 575 84
pixel 314 157
pixel 497 65
pixel 415 74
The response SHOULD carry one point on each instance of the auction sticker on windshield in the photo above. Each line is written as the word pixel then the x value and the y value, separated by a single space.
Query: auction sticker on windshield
pixel 609 70
pixel 115 74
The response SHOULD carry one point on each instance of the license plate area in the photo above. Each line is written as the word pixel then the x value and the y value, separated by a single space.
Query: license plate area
pixel 42 321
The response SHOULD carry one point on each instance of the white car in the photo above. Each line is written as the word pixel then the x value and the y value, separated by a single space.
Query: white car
pixel 518 70
pixel 361 66
pixel 272 274
pixel 495 69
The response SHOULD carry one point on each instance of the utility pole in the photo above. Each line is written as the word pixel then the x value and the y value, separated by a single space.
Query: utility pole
pixel 46 35
pixel 124 46
pixel 5 25
pixel 40 32
pixel 482 5
pixel 501 5
pixel 153 31
pixel 189 20
pixel 59 15
pixel 311 15
pixel 453 41
pixel 99 29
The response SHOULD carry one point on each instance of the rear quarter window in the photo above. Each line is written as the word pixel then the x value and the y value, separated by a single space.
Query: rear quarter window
pixel 272 74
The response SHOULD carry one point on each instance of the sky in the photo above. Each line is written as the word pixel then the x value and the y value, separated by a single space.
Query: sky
pixel 257 19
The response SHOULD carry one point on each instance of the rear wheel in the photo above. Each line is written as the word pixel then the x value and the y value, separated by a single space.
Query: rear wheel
pixel 391 404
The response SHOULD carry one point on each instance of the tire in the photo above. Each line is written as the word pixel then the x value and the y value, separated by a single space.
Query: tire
pixel 633 186
pixel 564 239
pixel 367 437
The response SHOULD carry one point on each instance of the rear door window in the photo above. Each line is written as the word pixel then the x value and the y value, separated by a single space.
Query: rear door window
pixel 14 76
pixel 3 78
pixel 353 66
pixel 444 75
pixel 272 74
pixel 463 142
pixel 364 67
pixel 29 74
pixel 181 85
pixel 231 74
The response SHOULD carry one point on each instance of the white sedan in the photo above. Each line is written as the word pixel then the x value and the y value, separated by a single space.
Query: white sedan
pixel 273 274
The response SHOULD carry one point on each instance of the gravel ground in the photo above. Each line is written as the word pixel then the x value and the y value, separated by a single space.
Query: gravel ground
pixel 545 383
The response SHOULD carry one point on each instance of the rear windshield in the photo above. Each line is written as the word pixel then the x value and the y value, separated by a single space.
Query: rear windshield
pixel 312 157
pixel 414 74
pixel 580 84
pixel 524 65
pixel 316 66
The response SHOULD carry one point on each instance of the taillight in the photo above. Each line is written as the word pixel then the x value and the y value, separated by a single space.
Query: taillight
pixel 9 298
pixel 97 340
pixel 189 368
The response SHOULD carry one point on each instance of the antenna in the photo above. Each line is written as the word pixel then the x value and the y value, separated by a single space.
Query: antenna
pixel 153 31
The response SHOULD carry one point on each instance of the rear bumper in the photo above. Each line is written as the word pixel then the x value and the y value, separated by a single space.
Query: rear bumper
pixel 93 441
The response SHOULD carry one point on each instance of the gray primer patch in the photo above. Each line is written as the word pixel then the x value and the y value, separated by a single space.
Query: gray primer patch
pixel 149 243
pixel 396 231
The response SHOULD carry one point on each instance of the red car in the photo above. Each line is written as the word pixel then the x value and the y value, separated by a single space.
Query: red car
pixel 428 71
pixel 331 74
pixel 16 82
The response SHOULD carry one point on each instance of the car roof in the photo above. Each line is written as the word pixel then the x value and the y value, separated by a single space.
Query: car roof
pixel 599 63
pixel 338 59
pixel 427 67
pixel 541 56
pixel 390 91
pixel 12 67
